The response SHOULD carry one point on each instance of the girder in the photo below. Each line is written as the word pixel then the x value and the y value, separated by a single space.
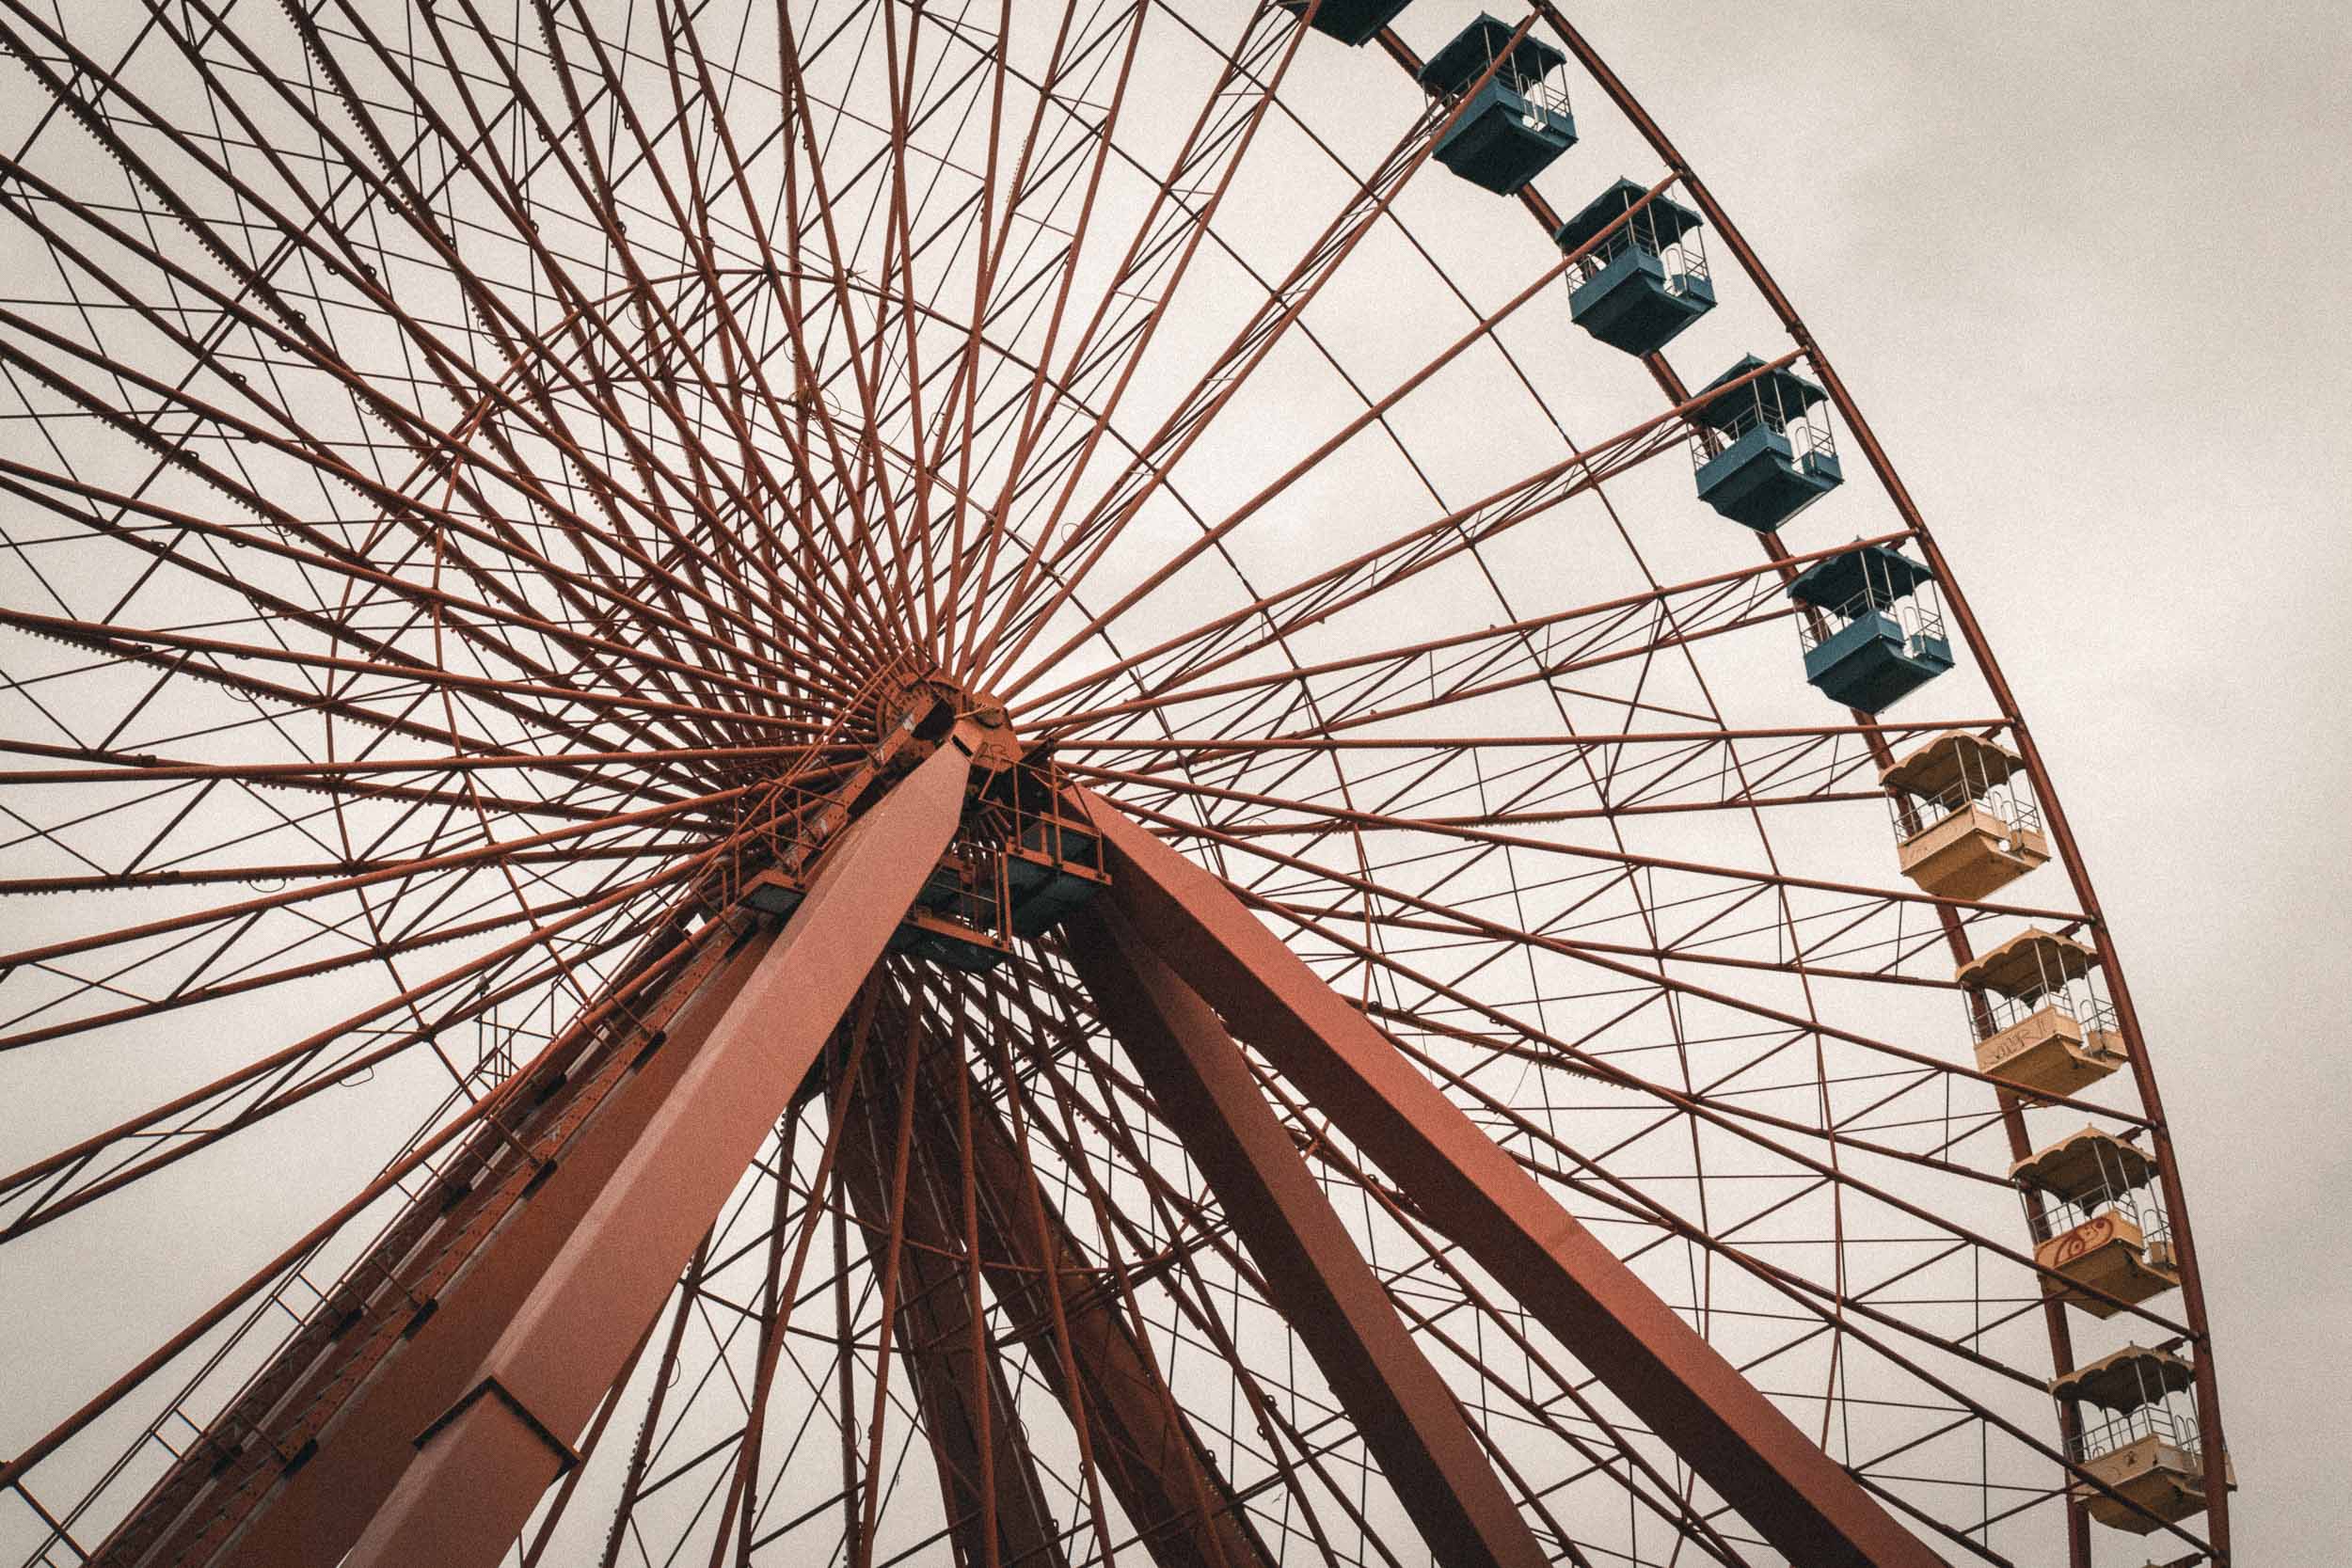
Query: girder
pixel 1475 1193
pixel 382 1328
pixel 1314 1274
pixel 1150 1455
pixel 987 1474
pixel 482 1462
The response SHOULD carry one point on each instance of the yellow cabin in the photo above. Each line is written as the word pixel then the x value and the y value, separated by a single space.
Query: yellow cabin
pixel 1965 821
pixel 2043 1027
pixel 2138 1442
pixel 2090 1202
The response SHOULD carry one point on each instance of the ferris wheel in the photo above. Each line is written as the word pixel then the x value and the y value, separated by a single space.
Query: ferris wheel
pixel 882 782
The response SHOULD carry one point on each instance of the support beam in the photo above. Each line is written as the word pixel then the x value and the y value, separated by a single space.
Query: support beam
pixel 483 1463
pixel 935 1329
pixel 1314 1274
pixel 1470 1190
pixel 1144 1446
pixel 325 1499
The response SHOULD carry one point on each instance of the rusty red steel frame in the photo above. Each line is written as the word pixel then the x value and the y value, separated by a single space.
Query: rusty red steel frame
pixel 1153 1459
pixel 922 869
pixel 1318 1280
pixel 2215 1485
pixel 913 1219
pixel 1473 1192
pixel 623 1236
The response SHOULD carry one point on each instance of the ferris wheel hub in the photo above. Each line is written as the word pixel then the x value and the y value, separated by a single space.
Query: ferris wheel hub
pixel 935 707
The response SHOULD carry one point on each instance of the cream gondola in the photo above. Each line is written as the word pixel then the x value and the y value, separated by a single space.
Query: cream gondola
pixel 1965 821
pixel 2041 1024
pixel 2099 1222
pixel 2139 1440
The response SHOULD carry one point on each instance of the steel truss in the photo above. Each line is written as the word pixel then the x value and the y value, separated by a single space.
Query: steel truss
pixel 778 801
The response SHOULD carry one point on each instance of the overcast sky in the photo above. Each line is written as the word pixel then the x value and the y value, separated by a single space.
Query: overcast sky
pixel 2083 266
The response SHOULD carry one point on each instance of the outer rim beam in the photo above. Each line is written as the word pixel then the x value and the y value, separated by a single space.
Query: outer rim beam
pixel 1314 1274
pixel 1675 1382
pixel 482 1464
pixel 2192 1285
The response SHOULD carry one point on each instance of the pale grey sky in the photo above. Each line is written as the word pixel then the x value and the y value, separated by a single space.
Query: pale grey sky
pixel 2083 267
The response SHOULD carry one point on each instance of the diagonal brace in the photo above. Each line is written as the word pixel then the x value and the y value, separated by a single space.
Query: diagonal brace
pixel 1314 1274
pixel 479 1470
pixel 1475 1193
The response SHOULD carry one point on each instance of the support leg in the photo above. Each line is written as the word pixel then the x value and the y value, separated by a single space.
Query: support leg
pixel 933 1331
pixel 1150 1456
pixel 321 1505
pixel 1674 1382
pixel 481 1467
pixel 1317 1278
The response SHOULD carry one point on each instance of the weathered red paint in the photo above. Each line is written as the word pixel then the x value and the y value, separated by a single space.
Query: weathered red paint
pixel 1314 1275
pixel 974 1446
pixel 1470 1189
pixel 481 1467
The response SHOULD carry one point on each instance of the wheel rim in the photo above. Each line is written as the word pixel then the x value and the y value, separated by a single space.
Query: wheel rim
pixel 534 512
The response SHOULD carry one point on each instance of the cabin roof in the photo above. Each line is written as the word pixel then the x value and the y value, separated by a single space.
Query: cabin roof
pixel 1793 393
pixel 2126 1380
pixel 1933 768
pixel 1664 217
pixel 2032 960
pixel 2090 1164
pixel 1464 60
pixel 1838 580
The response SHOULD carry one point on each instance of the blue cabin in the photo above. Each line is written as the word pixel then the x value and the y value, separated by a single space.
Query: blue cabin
pixel 1517 124
pixel 773 892
pixel 1643 282
pixel 1047 863
pixel 1876 633
pixel 1762 454
pixel 1351 21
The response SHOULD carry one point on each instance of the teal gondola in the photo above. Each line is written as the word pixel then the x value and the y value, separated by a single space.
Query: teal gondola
pixel 1762 453
pixel 1645 281
pixel 1517 124
pixel 1351 21
pixel 1876 632
pixel 1051 870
